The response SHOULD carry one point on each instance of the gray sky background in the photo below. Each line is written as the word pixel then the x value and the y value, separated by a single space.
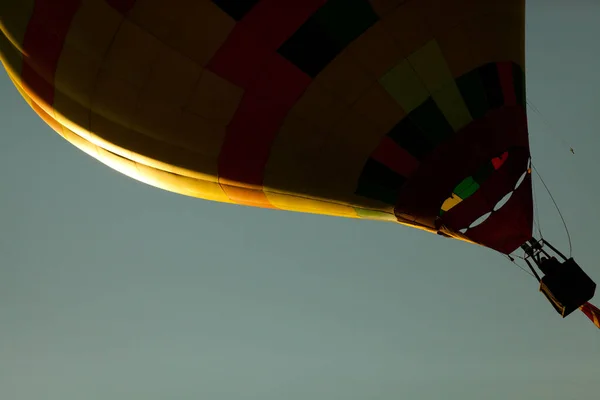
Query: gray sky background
pixel 112 289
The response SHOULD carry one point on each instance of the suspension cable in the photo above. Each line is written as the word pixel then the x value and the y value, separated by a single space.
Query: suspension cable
pixel 557 209
pixel 512 260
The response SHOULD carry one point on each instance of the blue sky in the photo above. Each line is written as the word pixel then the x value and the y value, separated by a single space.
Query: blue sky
pixel 112 289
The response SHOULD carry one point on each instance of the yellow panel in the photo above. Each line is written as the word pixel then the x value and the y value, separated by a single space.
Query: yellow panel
pixel 408 26
pixel 214 98
pixel 456 49
pixel 152 176
pixel 13 26
pixel 93 29
pixel 159 121
pixel 429 64
pixel 450 102
pixel 112 136
pixel 294 155
pixel 124 166
pixel 381 108
pixel 383 7
pixel 159 17
pixel 293 173
pixel 132 54
pixel 201 32
pixel 148 151
pixel 497 36
pixel 182 184
pixel 404 85
pixel 446 14
pixel 345 78
pixel 12 60
pixel 331 168
pixel 319 106
pixel 115 99
pixel 17 82
pixel 451 201
pixel 377 215
pixel 375 50
pixel 172 79
pixel 81 143
pixel 347 149
pixel 297 137
pixel 76 75
pixel 202 136
pixel 301 204
pixel 182 130
pixel 71 113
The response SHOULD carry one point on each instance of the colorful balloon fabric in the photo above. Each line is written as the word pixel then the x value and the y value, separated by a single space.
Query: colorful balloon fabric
pixel 410 111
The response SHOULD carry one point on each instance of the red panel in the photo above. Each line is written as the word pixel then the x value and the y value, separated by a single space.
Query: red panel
pixel 460 157
pixel 248 58
pixel 505 71
pixel 506 229
pixel 498 161
pixel 499 184
pixel 592 312
pixel 281 81
pixel 122 6
pixel 241 58
pixel 43 43
pixel 276 20
pixel 395 157
pixel 258 36
pixel 247 144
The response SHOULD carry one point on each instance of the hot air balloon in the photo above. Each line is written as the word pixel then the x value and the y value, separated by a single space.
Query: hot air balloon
pixel 412 112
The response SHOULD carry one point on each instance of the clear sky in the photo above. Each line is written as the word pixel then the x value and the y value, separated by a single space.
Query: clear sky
pixel 112 289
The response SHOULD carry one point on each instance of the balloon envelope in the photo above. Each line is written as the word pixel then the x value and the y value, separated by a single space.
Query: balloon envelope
pixel 405 111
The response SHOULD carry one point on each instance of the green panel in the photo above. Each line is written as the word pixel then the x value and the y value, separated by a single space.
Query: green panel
pixel 404 85
pixel 345 20
pixel 466 188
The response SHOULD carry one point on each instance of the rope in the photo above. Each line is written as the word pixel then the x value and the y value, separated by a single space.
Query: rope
pixel 557 209
pixel 512 260
pixel 547 125
pixel 536 215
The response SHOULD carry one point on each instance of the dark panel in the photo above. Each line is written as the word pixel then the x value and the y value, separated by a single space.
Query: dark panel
pixel 491 83
pixel 408 136
pixel 310 48
pixel 430 119
pixel 472 90
pixel 345 20
pixel 519 82
pixel 379 182
pixel 483 173
pixel 236 9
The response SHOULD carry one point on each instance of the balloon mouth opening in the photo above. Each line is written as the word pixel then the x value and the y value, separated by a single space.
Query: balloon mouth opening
pixel 501 203
pixel 472 184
